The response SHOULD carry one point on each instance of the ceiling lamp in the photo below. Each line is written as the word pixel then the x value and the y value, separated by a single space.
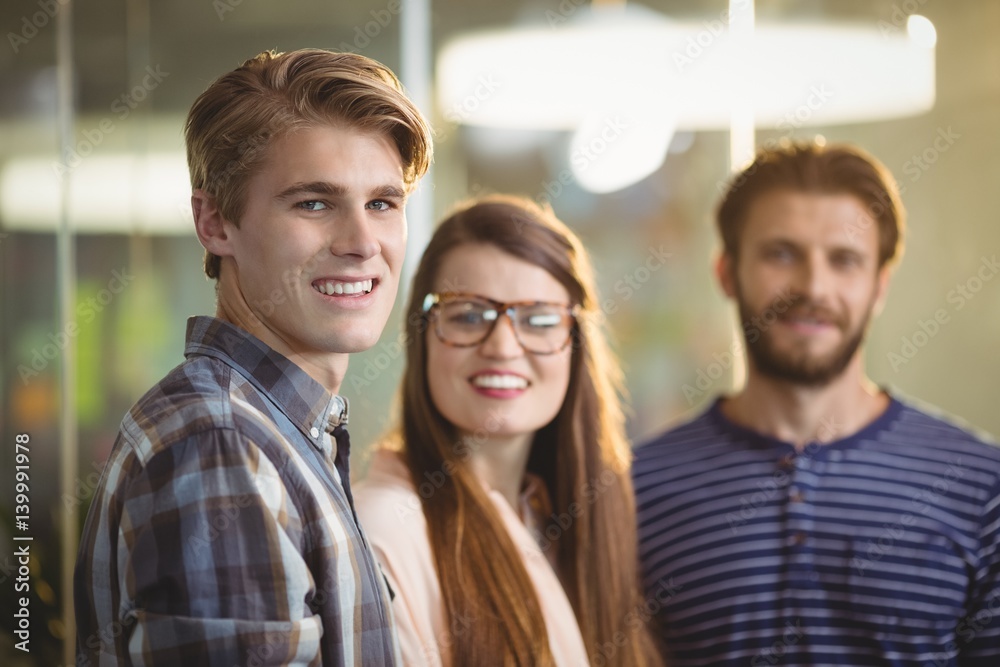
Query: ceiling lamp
pixel 111 193
pixel 657 74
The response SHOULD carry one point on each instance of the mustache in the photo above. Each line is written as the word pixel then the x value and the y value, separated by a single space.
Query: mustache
pixel 811 310
pixel 787 305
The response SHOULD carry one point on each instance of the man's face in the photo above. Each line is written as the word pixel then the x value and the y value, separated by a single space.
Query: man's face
pixel 806 282
pixel 317 255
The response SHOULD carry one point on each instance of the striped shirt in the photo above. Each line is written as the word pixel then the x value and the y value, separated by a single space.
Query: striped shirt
pixel 879 549
pixel 220 532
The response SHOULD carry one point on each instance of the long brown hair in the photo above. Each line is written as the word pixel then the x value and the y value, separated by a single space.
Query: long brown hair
pixel 582 456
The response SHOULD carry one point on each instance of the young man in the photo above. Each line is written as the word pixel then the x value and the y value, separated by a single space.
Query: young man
pixel 813 518
pixel 223 531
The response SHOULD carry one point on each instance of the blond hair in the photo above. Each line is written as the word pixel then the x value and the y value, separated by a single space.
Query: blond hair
pixel 231 124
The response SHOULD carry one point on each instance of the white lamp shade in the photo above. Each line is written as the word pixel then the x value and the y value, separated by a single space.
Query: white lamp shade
pixel 802 73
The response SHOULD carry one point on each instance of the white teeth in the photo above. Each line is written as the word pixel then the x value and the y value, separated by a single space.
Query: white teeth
pixel 330 287
pixel 500 382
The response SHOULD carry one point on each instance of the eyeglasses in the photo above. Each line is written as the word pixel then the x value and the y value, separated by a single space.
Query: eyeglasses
pixel 466 320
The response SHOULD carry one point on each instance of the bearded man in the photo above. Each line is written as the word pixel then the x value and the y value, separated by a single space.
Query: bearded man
pixel 814 518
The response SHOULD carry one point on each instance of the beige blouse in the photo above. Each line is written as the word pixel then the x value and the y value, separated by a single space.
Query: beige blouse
pixel 390 512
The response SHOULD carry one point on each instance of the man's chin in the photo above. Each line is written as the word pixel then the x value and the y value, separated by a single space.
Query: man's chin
pixel 354 334
pixel 353 345
pixel 800 376
pixel 806 371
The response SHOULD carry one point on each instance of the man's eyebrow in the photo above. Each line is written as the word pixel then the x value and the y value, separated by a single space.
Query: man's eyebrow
pixel 779 240
pixel 784 242
pixel 316 187
pixel 388 192
pixel 334 190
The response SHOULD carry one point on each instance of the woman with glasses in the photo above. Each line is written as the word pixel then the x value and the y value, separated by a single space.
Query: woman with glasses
pixel 502 509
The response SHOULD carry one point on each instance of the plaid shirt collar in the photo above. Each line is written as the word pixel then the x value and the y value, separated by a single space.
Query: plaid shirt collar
pixel 302 399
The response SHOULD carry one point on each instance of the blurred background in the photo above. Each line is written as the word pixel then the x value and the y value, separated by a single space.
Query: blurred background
pixel 627 119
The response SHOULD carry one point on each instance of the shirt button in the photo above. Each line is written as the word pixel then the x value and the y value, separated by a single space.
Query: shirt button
pixel 795 496
pixel 798 539
pixel 314 432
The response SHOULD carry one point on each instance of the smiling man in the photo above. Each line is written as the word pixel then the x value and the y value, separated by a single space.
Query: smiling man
pixel 223 531
pixel 813 518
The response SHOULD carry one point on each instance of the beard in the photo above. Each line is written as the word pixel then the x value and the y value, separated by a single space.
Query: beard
pixel 798 365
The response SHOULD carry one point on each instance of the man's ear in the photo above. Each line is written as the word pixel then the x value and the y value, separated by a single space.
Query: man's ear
pixel 882 287
pixel 724 268
pixel 214 231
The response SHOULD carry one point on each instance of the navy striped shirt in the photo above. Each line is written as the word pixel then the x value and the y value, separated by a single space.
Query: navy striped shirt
pixel 879 549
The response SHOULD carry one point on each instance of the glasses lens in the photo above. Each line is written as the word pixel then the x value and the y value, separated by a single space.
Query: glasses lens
pixel 543 328
pixel 465 322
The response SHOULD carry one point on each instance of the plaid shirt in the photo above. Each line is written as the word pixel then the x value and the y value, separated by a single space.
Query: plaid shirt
pixel 220 533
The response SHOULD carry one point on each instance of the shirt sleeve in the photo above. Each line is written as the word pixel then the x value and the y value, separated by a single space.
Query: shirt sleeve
pixel 979 631
pixel 209 571
pixel 393 520
pixel 413 617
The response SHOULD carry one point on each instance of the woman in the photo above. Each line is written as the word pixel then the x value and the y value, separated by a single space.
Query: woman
pixel 503 512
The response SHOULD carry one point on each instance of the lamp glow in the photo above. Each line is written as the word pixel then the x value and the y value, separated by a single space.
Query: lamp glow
pixel 114 193
pixel 921 31
pixel 545 78
pixel 610 151
pixel 789 75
